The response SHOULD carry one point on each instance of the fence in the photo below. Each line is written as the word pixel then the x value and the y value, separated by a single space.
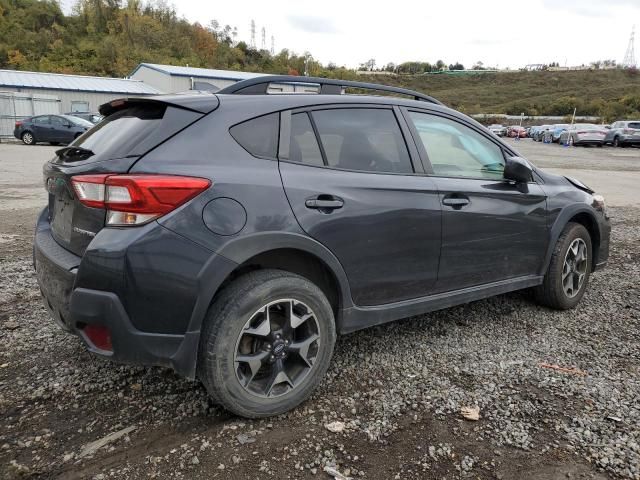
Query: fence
pixel 16 106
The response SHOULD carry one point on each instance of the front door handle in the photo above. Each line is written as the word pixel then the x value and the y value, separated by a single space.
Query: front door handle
pixel 455 202
pixel 320 203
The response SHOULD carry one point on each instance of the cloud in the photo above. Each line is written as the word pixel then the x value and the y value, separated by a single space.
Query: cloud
pixel 312 24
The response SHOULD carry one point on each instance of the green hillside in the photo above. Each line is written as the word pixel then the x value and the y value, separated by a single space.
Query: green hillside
pixel 607 93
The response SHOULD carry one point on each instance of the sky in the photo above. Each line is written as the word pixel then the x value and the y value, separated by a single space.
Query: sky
pixel 496 32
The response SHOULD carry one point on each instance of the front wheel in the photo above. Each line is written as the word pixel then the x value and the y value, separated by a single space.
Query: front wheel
pixel 266 344
pixel 568 274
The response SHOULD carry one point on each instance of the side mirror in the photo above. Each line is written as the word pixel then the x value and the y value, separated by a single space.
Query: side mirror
pixel 518 170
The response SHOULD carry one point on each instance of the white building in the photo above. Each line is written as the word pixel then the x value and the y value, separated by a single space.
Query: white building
pixel 75 93
pixel 173 79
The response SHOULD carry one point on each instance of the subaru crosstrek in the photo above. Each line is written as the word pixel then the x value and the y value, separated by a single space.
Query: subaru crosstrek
pixel 230 237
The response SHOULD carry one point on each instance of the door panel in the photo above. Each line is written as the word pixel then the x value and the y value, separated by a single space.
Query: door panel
pixel 383 228
pixel 499 233
pixel 42 129
pixel 492 229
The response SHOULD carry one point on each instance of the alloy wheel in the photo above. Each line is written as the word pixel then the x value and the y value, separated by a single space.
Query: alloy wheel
pixel 277 348
pixel 574 269
pixel 27 138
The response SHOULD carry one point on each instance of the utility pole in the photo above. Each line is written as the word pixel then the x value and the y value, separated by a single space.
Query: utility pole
pixel 253 34
pixel 630 56
pixel 273 46
pixel 263 46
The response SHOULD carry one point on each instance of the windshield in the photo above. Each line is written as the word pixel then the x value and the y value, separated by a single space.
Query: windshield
pixel 77 121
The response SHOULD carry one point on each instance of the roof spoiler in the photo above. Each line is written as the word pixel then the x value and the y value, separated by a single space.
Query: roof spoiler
pixel 203 103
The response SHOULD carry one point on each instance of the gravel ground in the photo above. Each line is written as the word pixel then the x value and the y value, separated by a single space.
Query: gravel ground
pixel 392 398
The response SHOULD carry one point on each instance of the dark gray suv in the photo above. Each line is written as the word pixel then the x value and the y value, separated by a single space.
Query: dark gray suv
pixel 230 237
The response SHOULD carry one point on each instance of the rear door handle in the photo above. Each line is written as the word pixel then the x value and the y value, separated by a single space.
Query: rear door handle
pixel 455 202
pixel 324 204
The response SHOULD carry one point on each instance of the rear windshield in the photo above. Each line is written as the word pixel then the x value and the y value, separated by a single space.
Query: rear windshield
pixel 118 135
pixel 634 125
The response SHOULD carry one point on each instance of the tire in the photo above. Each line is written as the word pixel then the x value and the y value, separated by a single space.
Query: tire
pixel 616 142
pixel 552 292
pixel 28 138
pixel 571 141
pixel 239 309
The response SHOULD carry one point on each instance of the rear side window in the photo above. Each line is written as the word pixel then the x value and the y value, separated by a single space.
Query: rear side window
pixel 364 139
pixel 304 146
pixel 41 120
pixel 259 136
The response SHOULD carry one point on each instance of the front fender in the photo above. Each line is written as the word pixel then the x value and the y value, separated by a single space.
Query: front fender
pixel 561 221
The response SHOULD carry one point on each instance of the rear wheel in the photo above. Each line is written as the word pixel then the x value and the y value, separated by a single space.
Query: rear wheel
pixel 616 142
pixel 571 141
pixel 266 343
pixel 28 138
pixel 568 274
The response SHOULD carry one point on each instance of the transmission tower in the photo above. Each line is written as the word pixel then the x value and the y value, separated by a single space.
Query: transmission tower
pixel 273 45
pixel 253 34
pixel 630 57
pixel 263 46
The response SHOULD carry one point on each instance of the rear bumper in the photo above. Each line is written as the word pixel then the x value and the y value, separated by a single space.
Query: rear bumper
pixel 629 140
pixel 73 307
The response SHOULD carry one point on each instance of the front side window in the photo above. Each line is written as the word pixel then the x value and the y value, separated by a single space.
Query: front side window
pixel 259 136
pixel 456 150
pixel 364 139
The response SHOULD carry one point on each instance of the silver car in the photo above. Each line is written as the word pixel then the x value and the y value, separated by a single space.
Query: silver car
pixel 499 130
pixel 583 134
pixel 623 133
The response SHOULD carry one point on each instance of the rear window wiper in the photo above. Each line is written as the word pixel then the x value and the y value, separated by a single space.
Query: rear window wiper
pixel 73 151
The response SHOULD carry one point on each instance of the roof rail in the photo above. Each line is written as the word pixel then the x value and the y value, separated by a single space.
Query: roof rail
pixel 328 86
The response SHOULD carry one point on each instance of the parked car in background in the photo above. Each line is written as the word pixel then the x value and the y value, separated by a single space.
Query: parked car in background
pixel 623 133
pixel 537 135
pixel 90 117
pixel 583 134
pixel 359 210
pixel 54 129
pixel 553 134
pixel 498 129
pixel 517 131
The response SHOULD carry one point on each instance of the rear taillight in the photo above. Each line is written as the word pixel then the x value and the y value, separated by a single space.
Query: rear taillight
pixel 628 131
pixel 136 199
pixel 18 123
